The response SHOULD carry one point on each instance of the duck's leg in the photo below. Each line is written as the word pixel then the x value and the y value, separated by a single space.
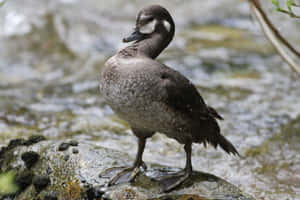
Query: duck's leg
pixel 172 181
pixel 128 174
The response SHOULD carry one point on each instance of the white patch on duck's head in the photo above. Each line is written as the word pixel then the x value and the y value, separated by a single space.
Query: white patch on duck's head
pixel 149 27
pixel 167 25
pixel 143 17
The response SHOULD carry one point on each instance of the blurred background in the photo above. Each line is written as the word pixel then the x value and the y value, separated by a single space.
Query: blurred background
pixel 51 53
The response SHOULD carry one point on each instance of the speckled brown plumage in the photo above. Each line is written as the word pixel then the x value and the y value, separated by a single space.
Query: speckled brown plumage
pixel 152 97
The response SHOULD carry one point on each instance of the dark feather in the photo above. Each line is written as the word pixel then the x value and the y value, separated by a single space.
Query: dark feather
pixel 214 113
pixel 210 133
pixel 183 97
pixel 227 146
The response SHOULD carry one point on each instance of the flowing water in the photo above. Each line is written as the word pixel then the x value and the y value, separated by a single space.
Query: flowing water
pixel 51 53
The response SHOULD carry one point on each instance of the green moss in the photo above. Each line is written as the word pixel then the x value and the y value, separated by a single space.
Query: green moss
pixel 115 118
pixel 239 93
pixel 225 32
pixel 212 36
pixel 7 185
pixel 285 165
pixel 259 150
pixel 113 129
pixel 2 3
pixel 52 41
pixel 289 133
pixel 72 189
pixel 247 75
pixel 62 176
pixel 267 168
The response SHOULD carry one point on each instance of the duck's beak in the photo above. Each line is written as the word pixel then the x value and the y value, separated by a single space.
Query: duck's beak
pixel 135 36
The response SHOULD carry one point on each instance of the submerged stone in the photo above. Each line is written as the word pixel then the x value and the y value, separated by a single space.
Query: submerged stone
pixel 75 151
pixel 73 143
pixel 63 146
pixel 66 157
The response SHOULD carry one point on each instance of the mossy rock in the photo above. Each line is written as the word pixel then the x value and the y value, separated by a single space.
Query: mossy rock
pixel 63 174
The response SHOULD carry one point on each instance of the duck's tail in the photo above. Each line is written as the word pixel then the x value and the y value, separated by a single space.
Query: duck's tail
pixel 211 134
pixel 214 113
pixel 227 146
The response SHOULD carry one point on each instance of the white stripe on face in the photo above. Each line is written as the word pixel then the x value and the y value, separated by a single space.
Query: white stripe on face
pixel 149 27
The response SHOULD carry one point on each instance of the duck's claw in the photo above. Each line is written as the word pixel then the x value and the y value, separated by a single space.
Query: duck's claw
pixel 124 175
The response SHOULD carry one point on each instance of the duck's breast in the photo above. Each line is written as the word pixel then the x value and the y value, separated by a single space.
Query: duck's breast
pixel 133 89
pixel 128 85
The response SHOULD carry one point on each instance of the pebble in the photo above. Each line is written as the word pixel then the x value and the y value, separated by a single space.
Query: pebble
pixel 75 151
pixel 73 143
pixel 30 158
pixel 34 139
pixel 41 182
pixel 66 157
pixel 63 146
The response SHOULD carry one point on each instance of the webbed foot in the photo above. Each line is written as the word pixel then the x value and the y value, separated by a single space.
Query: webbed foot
pixel 125 175
pixel 170 182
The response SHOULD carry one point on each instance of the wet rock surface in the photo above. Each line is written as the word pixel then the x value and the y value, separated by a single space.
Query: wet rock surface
pixel 51 53
pixel 53 177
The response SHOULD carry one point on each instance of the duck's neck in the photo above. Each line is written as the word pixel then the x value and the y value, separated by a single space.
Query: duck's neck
pixel 150 47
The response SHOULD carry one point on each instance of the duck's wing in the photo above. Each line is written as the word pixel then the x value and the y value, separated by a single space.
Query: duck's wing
pixel 181 95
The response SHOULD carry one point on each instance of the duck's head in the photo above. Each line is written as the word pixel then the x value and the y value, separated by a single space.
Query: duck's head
pixel 152 20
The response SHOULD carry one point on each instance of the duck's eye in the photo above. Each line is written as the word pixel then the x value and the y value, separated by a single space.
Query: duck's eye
pixel 149 19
